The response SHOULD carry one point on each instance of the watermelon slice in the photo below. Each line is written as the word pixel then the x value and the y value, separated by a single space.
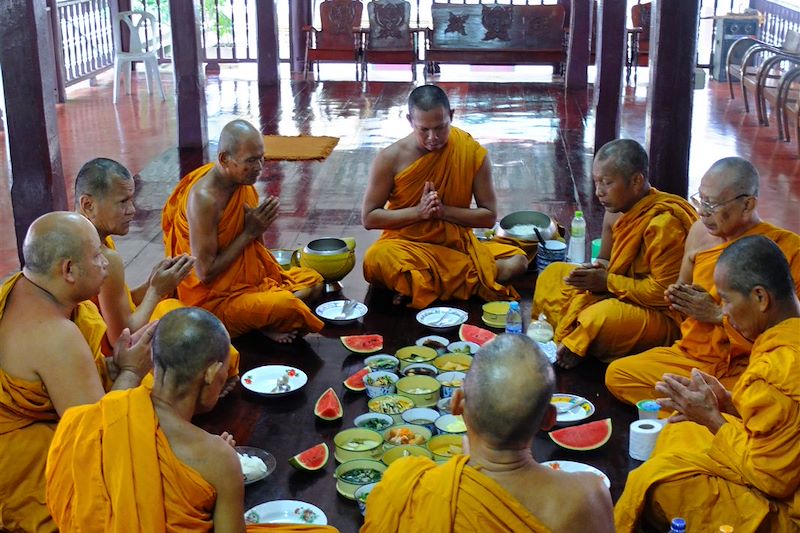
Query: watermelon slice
pixel 479 336
pixel 328 406
pixel 363 343
pixel 583 437
pixel 356 382
pixel 314 458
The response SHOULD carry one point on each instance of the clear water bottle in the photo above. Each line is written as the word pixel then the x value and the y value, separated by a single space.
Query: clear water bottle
pixel 514 319
pixel 576 253
pixel 678 525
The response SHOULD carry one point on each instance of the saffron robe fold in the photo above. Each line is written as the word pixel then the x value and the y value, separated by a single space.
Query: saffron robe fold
pixel 162 308
pixel 646 253
pixel 27 422
pixel 747 475
pixel 718 350
pixel 436 259
pixel 254 292
pixel 111 469
pixel 416 494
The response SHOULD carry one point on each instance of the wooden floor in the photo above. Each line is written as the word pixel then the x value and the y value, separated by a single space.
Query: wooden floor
pixel 540 144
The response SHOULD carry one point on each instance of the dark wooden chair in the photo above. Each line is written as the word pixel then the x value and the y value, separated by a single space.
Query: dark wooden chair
pixel 389 39
pixel 338 39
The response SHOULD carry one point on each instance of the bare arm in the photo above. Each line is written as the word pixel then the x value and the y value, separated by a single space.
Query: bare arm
pixel 485 214
pixel 607 238
pixel 598 511
pixel 225 474
pixel 693 242
pixel 114 305
pixel 204 214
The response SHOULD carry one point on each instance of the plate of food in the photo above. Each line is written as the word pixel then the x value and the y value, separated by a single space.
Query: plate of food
pixel 286 512
pixel 256 463
pixel 574 466
pixel 274 380
pixel 341 312
pixel 442 318
pixel 436 342
pixel 571 408
pixel 465 347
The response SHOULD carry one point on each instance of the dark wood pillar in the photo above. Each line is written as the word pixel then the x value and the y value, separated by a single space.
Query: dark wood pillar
pixel 610 65
pixel 669 102
pixel 28 83
pixel 267 39
pixel 578 56
pixel 299 15
pixel 190 90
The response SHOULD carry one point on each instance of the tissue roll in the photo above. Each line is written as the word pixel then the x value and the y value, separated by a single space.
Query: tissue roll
pixel 643 437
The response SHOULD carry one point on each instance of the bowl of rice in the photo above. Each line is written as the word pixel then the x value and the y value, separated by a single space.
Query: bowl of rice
pixel 522 225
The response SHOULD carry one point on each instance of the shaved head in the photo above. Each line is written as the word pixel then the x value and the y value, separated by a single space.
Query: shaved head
pixel 55 237
pixel 507 390
pixel 757 261
pixel 186 342
pixel 236 133
pixel 734 174
pixel 427 97
pixel 96 177
pixel 626 156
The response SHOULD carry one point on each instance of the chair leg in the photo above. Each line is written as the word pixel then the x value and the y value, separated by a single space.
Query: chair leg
pixel 126 73
pixel 761 107
pixel 730 84
pixel 744 97
pixel 117 73
pixel 155 77
pixel 148 76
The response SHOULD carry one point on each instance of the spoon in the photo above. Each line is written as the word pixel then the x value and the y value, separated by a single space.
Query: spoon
pixel 539 236
pixel 565 407
pixel 347 308
pixel 282 385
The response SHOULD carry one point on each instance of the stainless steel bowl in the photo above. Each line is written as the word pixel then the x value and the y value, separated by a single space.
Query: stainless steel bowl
pixel 545 225
pixel 326 246
pixel 283 257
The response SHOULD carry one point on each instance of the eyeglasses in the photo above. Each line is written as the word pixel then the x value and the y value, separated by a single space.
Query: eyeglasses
pixel 699 203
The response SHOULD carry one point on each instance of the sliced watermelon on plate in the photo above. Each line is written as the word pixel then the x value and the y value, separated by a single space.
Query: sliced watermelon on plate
pixel 314 458
pixel 363 343
pixel 470 333
pixel 583 437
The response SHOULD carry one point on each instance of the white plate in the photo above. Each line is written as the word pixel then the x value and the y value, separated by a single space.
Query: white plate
pixel 330 310
pixel 442 318
pixel 574 466
pixel 286 512
pixel 263 379
pixel 441 340
pixel 580 411
pixel 268 458
pixel 458 347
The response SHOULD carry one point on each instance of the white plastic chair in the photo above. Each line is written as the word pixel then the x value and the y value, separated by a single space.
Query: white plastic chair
pixel 143 29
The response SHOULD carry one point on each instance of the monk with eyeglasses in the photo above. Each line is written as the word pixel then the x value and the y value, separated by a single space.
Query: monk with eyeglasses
pixel 726 202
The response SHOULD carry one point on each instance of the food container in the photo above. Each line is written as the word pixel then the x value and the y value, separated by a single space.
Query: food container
pixel 393 405
pixel 465 347
pixel 443 447
pixel 421 416
pixel 283 257
pixel 495 312
pixel 382 361
pixel 361 494
pixel 423 390
pixel 357 443
pixel 450 382
pixel 420 369
pixel 406 434
pixel 451 424
pixel 387 382
pixel 444 406
pixel 648 409
pixel 347 486
pixel 373 421
pixel 409 355
pixel 519 225
pixel 393 454
pixel 453 362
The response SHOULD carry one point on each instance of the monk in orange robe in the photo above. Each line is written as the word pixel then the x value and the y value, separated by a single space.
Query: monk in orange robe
pixel 50 357
pixel 498 485
pixel 734 458
pixel 134 462
pixel 104 191
pixel 726 203
pixel 613 308
pixel 214 215
pixel 419 192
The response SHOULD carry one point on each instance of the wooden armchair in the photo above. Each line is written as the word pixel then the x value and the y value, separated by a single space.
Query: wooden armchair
pixel 390 40
pixel 338 40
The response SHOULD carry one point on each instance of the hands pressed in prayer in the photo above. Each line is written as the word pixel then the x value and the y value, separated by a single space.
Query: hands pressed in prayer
pixel 701 399
pixel 430 206
pixel 132 351
pixel 169 272
pixel 694 301
pixel 228 438
pixel 258 219
pixel 589 277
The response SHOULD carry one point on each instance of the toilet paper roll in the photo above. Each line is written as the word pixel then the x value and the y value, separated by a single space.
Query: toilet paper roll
pixel 643 436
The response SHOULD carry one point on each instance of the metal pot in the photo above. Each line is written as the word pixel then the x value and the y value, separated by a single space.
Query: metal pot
pixel 545 225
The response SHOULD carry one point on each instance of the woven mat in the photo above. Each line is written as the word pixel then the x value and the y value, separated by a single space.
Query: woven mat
pixel 301 147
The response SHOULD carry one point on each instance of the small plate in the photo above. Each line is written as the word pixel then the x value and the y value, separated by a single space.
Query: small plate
pixel 579 412
pixel 286 512
pixel 263 379
pixel 330 310
pixel 435 338
pixel 500 324
pixel 574 466
pixel 442 318
pixel 268 458
pixel 460 347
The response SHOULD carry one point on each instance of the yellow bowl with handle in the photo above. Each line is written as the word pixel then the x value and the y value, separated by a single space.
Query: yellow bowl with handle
pixel 425 391
pixel 357 443
pixel 409 355
pixel 393 454
pixel 443 447
pixel 453 362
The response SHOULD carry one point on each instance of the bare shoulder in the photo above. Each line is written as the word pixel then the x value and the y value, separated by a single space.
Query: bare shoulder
pixel 208 454
pixel 699 239
pixel 609 219
pixel 397 156
pixel 588 507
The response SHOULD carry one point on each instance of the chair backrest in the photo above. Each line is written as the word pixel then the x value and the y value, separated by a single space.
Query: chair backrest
pixel 388 24
pixel 338 18
pixel 791 42
pixel 143 30
pixel 640 15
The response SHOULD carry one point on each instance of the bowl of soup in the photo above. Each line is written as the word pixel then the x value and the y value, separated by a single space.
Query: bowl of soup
pixel 409 355
pixel 357 443
pixel 453 362
pixel 424 390
pixel 443 447
pixel 398 452
pixel 393 405
pixel 354 474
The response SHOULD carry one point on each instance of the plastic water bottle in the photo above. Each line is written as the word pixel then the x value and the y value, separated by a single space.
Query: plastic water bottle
pixel 678 525
pixel 576 253
pixel 514 319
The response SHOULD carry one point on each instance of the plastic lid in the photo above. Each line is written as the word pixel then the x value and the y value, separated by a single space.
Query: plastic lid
pixel 578 213
pixel 678 524
pixel 514 305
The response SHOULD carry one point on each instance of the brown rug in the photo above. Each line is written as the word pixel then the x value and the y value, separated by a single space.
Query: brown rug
pixel 300 147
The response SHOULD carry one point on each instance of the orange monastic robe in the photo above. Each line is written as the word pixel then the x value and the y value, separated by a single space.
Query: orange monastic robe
pixel 111 470
pixel 718 350
pixel 417 495
pixel 435 259
pixel 27 423
pixel 162 308
pixel 748 474
pixel 254 292
pixel 647 246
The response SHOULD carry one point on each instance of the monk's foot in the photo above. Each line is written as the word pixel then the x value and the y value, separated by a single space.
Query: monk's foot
pixel 510 268
pixel 229 386
pixel 400 299
pixel 281 337
pixel 567 359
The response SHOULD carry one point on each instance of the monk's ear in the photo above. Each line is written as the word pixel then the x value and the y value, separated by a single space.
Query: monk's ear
pixel 408 118
pixel 223 158
pixel 761 298
pixel 457 402
pixel 549 419
pixel 86 204
pixel 67 270
pixel 211 372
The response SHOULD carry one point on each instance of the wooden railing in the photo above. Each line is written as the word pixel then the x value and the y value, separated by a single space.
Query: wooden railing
pixel 87 42
pixel 779 18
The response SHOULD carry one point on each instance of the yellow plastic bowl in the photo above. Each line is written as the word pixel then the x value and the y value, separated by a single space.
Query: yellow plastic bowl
pixel 406 385
pixel 453 362
pixel 440 446
pixel 405 402
pixel 348 489
pixel 495 311
pixel 343 454
pixel 393 454
pixel 409 355
pixel 422 431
